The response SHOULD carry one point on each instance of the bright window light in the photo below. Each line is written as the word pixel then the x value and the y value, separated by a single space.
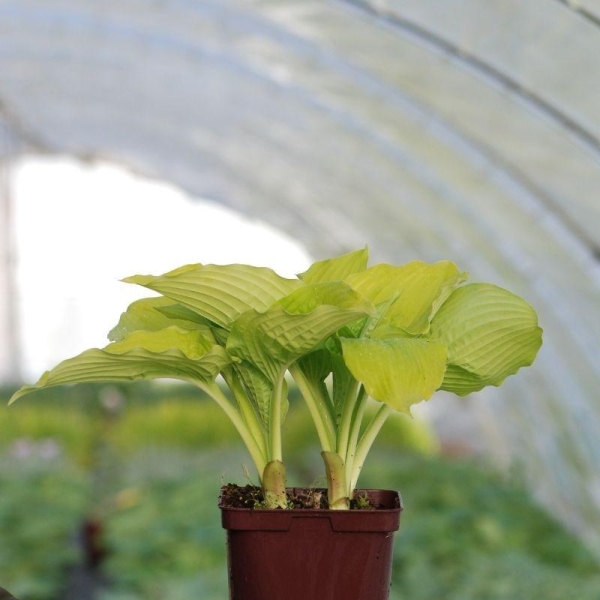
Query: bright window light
pixel 81 227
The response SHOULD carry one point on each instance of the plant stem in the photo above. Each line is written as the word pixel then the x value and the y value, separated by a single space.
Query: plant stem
pixel 366 441
pixel 273 482
pixel 337 490
pixel 351 399
pixel 357 419
pixel 275 449
pixel 256 452
pixel 318 407
pixel 346 420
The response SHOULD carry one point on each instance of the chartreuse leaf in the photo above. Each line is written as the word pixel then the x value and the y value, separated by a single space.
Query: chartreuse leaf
pixel 178 312
pixel 192 343
pixel 338 268
pixel 399 372
pixel 172 352
pixel 220 293
pixel 152 314
pixel 335 293
pixel 274 339
pixel 490 334
pixel 182 314
pixel 419 290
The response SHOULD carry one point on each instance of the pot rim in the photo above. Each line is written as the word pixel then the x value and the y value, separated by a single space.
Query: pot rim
pixel 382 520
pixel 393 497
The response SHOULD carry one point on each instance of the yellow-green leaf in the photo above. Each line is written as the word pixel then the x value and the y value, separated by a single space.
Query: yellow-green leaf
pixel 151 314
pixel 192 343
pixel 129 361
pixel 274 339
pixel 335 293
pixel 490 334
pixel 417 289
pixel 137 364
pixel 338 268
pixel 220 293
pixel 399 372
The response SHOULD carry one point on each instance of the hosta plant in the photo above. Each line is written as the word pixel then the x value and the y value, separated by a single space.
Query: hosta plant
pixel 343 331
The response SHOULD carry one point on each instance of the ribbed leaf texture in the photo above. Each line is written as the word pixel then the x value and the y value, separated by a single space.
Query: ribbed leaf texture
pixel 154 314
pixel 220 293
pixel 274 339
pixel 490 334
pixel 171 353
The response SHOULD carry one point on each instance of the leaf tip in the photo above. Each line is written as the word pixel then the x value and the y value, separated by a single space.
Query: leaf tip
pixel 24 390
pixel 138 279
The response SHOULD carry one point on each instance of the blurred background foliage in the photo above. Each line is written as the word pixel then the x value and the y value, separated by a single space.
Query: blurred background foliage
pixel 145 463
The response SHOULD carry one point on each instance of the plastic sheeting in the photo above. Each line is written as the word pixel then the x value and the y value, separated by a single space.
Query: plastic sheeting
pixel 464 130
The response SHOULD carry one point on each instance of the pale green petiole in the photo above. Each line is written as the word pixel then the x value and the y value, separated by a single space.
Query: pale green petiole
pixel 275 449
pixel 366 441
pixel 264 449
pixel 247 411
pixel 347 419
pixel 273 483
pixel 357 419
pixel 339 498
pixel 318 407
pixel 254 448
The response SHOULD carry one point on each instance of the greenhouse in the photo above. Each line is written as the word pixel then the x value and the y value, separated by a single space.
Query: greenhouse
pixel 463 131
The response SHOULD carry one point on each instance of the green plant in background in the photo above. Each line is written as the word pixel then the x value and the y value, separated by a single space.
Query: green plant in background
pixel 472 534
pixel 343 331
pixel 38 423
pixel 43 499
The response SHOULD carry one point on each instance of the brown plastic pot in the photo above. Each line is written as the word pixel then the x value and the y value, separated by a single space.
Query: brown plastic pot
pixel 310 554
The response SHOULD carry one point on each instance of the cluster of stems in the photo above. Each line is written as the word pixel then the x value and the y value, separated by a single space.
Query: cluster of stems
pixel 344 442
pixel 263 443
